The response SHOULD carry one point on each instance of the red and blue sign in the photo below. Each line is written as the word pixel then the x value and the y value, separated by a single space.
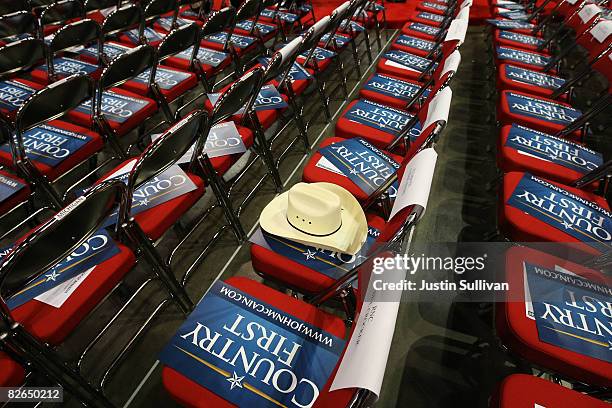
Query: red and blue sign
pixel 252 354
pixel 548 111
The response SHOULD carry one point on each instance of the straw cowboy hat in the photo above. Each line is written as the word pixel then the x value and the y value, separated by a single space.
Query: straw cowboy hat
pixel 322 215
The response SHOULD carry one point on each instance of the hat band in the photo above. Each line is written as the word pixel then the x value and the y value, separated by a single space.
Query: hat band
pixel 310 233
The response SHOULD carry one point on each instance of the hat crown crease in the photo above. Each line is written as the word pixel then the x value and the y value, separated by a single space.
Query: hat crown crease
pixel 314 210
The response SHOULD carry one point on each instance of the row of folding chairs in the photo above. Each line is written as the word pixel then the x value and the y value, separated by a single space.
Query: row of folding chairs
pixel 551 70
pixel 377 137
pixel 142 192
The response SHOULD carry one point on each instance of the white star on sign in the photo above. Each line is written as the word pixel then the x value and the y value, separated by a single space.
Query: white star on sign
pixel 235 381
pixel 309 254
pixel 552 156
pixel 610 345
pixel 567 225
pixel 144 202
pixel 52 276
pixel 354 171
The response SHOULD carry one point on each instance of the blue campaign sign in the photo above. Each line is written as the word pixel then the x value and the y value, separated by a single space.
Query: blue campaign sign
pixel 170 184
pixel 264 29
pixel 9 187
pixel 320 54
pixel 541 109
pixel 415 42
pixel 572 312
pixel 340 39
pixel 513 6
pixel 515 15
pixel 239 41
pixel 330 263
pixel 116 107
pixel 536 78
pixel 206 56
pixel 424 28
pixel 430 16
pixel 111 50
pixel 553 149
pixel 521 38
pixel 166 22
pixel 95 250
pixel 512 54
pixel 13 94
pixel 435 6
pixel 268 99
pixel 410 61
pixel 362 163
pixel 393 87
pixel 50 145
pixel 149 33
pixel 355 26
pixel 284 16
pixel 166 78
pixel 69 66
pixel 382 117
pixel 296 73
pixel 251 353
pixel 573 215
pixel 511 24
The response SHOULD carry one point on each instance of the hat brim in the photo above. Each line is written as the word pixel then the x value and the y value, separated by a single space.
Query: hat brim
pixel 348 239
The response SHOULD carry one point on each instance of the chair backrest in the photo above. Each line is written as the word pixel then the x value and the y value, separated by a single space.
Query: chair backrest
pixel 12 6
pixel 240 94
pixel 249 9
pixel 282 61
pixel 53 101
pixel 81 32
pixel 219 21
pixel 157 8
pixel 123 19
pixel 61 11
pixel 92 5
pixel 336 17
pixel 311 38
pixel 127 66
pixel 168 149
pixel 59 236
pixel 20 22
pixel 20 56
pixel 178 40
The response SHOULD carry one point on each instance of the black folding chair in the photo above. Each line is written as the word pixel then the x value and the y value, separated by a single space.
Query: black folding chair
pixel 12 6
pixel 57 13
pixel 42 249
pixel 17 25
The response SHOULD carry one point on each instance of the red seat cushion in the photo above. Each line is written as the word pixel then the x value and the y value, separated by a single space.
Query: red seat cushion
pixel 190 394
pixel 522 58
pixel 543 114
pixel 420 30
pixel 159 219
pixel 242 44
pixel 266 117
pixel 95 144
pixel 388 67
pixel 390 96
pixel 65 67
pixel 520 332
pixel 12 374
pixel 510 159
pixel 208 66
pixel 527 391
pixel 223 163
pixel 346 129
pixel 172 82
pixel 133 119
pixel 53 325
pixel 414 45
pixel 13 93
pixel 529 81
pixel 522 227
pixel 18 193
pixel 293 274
pixel 314 174
pixel 518 40
pixel 432 7
pixel 427 17
pixel 322 60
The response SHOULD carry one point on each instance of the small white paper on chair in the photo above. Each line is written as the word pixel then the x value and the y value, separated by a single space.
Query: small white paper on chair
pixel 588 12
pixel 325 164
pixel 58 295
pixel 416 181
pixel 439 107
pixel 364 362
pixel 602 30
